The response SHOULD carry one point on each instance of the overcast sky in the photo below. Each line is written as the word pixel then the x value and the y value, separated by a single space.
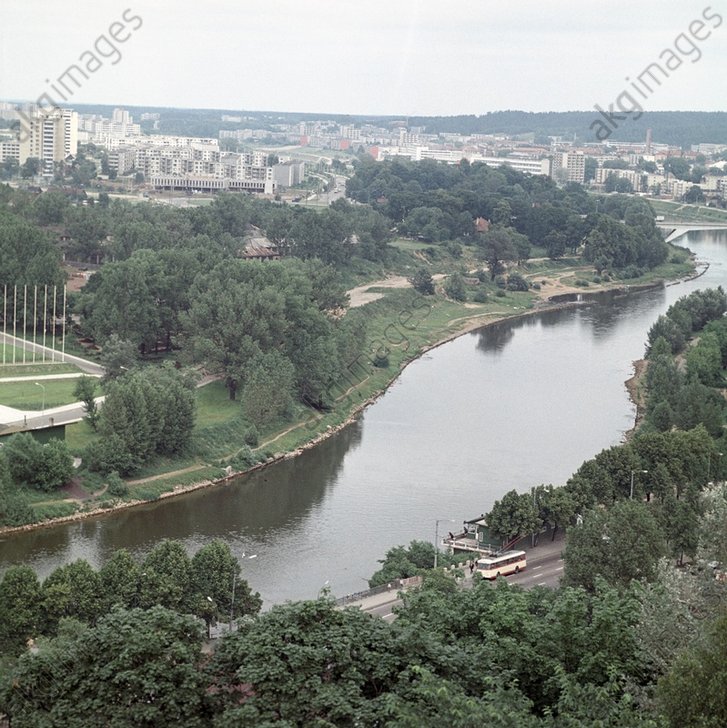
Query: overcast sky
pixel 400 57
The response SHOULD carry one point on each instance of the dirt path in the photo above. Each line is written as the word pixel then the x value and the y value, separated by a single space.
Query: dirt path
pixel 361 295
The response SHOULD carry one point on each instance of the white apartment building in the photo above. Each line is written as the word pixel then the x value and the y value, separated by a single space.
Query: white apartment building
pixel 574 163
pixel 288 174
pixel 639 181
pixel 49 135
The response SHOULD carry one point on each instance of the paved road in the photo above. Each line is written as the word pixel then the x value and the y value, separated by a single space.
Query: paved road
pixel 545 568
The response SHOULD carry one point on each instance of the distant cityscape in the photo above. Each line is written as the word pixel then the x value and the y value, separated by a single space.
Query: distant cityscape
pixel 267 160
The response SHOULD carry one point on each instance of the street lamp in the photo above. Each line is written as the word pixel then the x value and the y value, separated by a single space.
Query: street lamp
pixel 436 536
pixel 42 407
pixel 631 492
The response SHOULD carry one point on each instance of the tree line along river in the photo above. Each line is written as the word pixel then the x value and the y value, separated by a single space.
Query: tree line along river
pixel 512 405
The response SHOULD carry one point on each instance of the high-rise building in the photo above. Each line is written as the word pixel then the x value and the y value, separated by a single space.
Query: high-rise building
pixel 574 164
pixel 49 135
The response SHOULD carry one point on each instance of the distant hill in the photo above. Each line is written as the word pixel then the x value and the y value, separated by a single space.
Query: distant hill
pixel 680 128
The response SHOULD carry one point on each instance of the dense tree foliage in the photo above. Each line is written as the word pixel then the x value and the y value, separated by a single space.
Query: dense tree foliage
pixel 147 412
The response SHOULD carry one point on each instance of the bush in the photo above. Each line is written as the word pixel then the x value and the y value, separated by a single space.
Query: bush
pixel 515 282
pixel 631 271
pixel 454 249
pixel 500 293
pixel 116 486
pixel 536 286
pixel 422 282
pixel 251 436
pixel 596 279
pixel 500 281
pixel 480 296
pixel 481 275
pixel 582 283
pixel 454 287
pixel 109 454
pixel 381 361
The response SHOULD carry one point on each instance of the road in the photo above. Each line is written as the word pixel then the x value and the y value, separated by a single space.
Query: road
pixel 545 568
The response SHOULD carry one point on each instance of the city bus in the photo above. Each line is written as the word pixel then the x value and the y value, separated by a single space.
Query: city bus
pixel 509 562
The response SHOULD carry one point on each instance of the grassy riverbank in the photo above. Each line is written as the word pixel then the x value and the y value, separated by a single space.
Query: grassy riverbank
pixel 401 326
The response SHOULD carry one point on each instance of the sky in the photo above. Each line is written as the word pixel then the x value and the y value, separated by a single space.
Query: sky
pixel 377 57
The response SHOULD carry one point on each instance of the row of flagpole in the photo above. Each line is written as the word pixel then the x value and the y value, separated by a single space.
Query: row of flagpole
pixel 44 293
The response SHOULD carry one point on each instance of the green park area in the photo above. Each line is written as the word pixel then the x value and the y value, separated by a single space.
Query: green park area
pixel 31 395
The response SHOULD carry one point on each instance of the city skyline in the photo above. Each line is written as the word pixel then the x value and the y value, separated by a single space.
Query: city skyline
pixel 328 57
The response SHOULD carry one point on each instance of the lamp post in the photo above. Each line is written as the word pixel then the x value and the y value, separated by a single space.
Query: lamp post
pixel 42 407
pixel 709 462
pixel 631 492
pixel 436 536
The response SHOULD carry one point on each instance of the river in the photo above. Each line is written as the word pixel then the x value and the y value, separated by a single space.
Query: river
pixel 509 406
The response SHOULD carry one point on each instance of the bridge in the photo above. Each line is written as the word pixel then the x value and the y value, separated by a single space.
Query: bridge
pixel 675 229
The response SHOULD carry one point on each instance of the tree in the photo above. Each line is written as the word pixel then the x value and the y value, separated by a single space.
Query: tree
pixel 513 515
pixel 22 454
pixel 693 694
pixel 46 467
pixel 84 391
pixel 117 356
pixel 136 668
pixel 30 167
pixel 120 579
pixel 556 506
pixel 73 590
pixel 342 661
pixel 497 246
pixel 166 577
pixel 215 579
pixel 621 544
pixel 20 598
pixel 422 282
pixel 455 287
pixel 268 391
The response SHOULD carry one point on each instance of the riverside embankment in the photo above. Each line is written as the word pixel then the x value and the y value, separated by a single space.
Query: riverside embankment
pixel 520 402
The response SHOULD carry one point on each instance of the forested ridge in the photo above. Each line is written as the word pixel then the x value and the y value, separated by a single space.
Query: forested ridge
pixel 678 128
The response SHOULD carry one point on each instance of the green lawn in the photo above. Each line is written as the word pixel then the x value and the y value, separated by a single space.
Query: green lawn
pixel 214 405
pixel 687 212
pixel 31 396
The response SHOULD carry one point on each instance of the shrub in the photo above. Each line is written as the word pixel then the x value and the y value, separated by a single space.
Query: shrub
pixel 581 282
pixel 116 486
pixel 381 361
pixel 500 293
pixel 422 282
pixel 596 279
pixel 500 281
pixel 480 297
pixel 454 287
pixel 536 286
pixel 515 282
pixel 251 436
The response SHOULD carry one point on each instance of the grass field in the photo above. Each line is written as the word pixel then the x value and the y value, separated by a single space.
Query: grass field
pixel 32 396
pixel 688 213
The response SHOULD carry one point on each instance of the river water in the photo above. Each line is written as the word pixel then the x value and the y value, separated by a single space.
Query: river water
pixel 510 406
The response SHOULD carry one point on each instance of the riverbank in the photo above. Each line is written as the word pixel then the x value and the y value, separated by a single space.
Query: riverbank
pixel 445 322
